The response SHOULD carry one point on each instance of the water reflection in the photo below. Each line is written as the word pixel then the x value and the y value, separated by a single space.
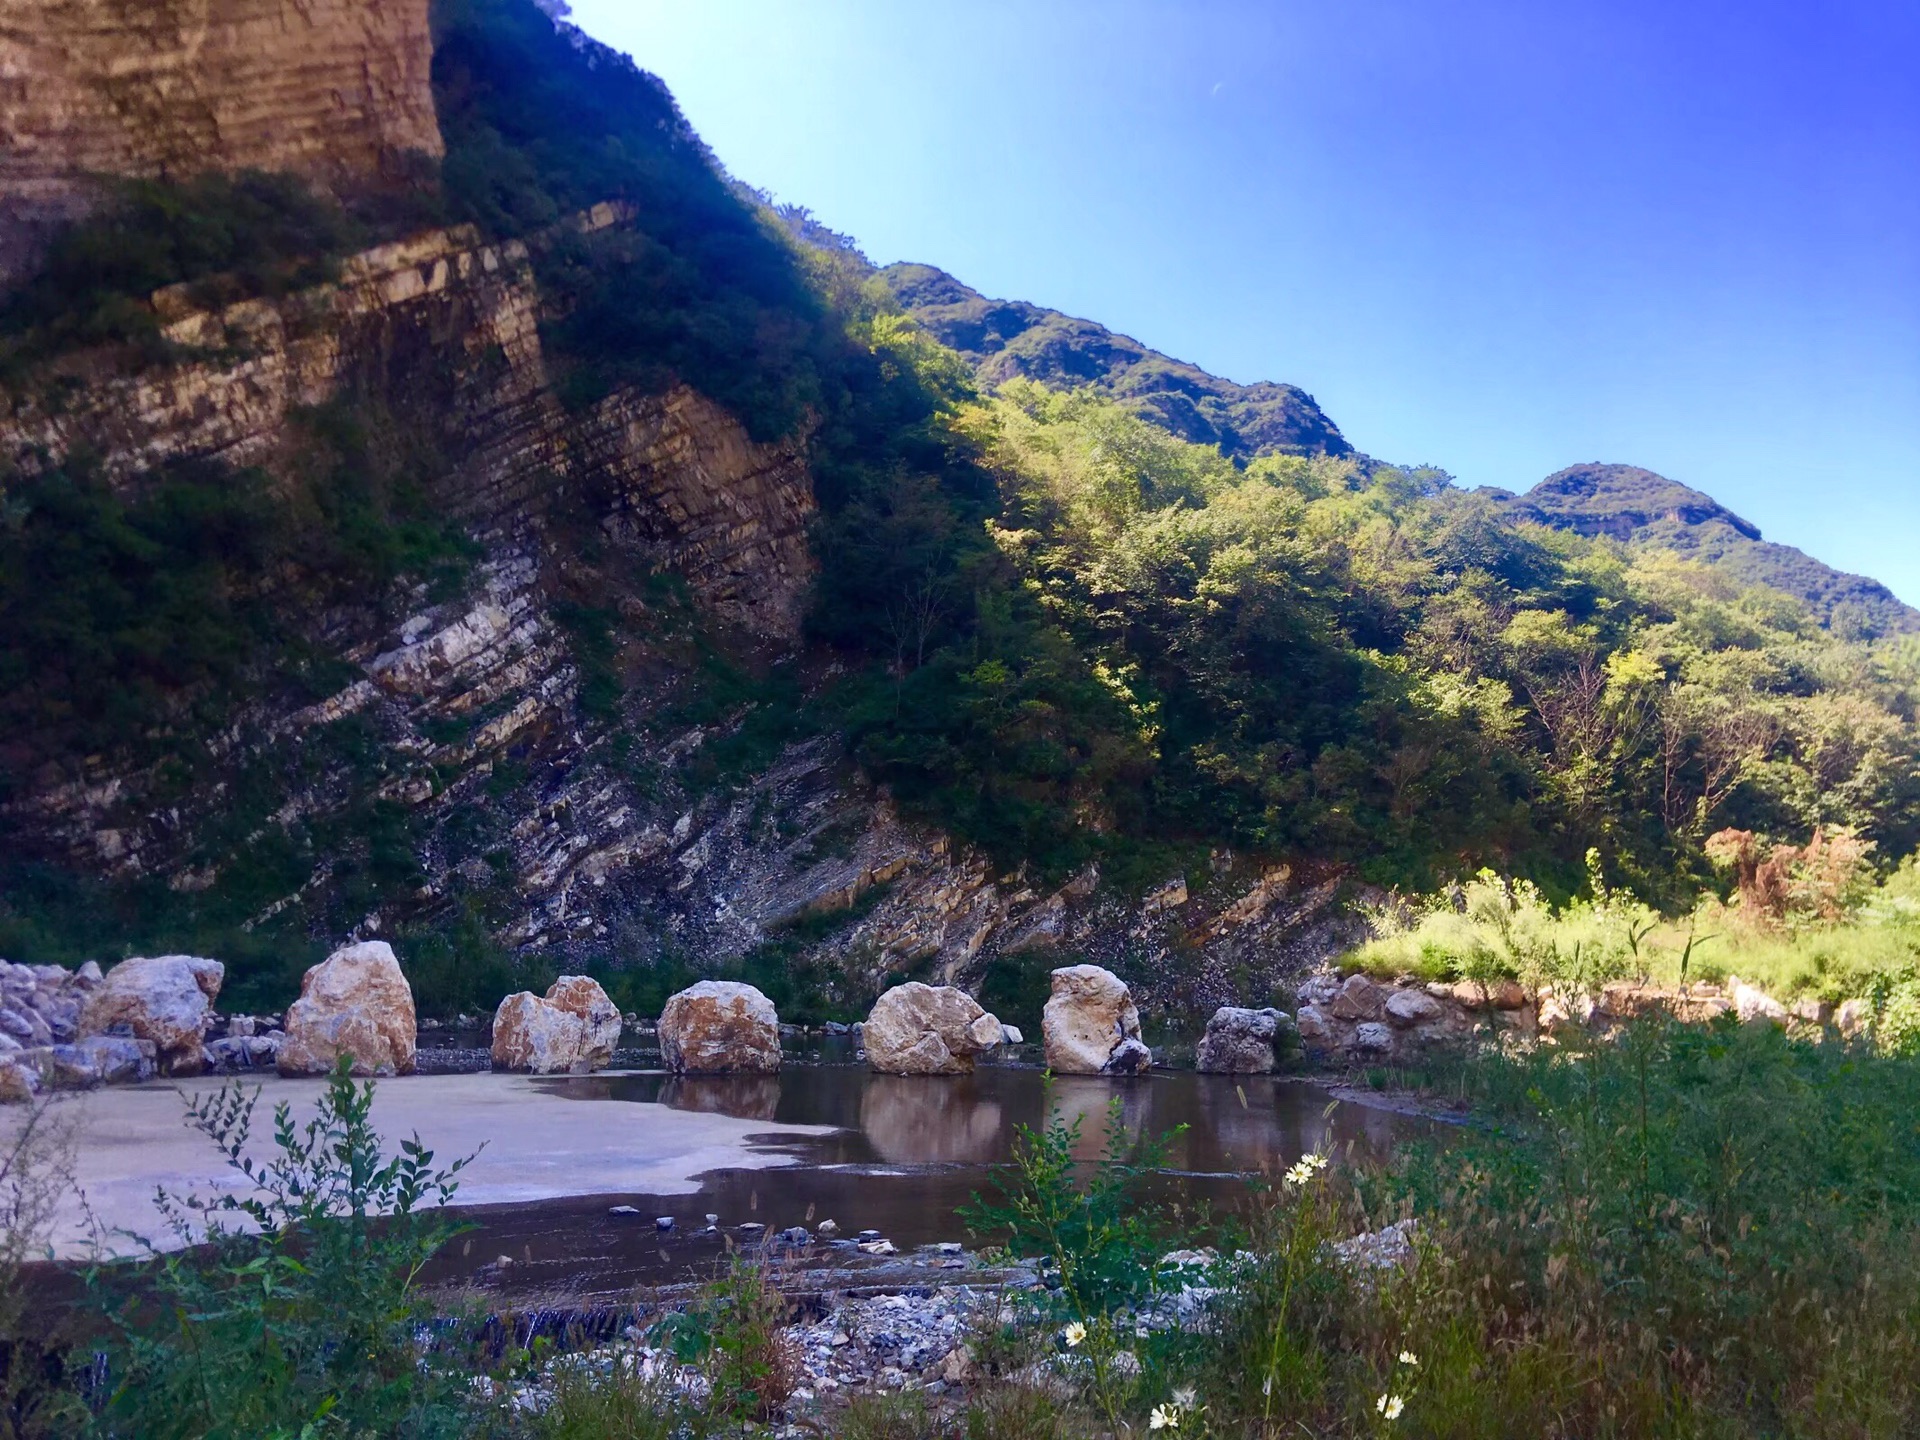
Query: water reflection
pixel 923 1120
pixel 744 1097
pixel 903 1156
pixel 1226 1124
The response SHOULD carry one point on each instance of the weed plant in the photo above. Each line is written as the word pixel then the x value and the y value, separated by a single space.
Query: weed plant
pixel 296 1313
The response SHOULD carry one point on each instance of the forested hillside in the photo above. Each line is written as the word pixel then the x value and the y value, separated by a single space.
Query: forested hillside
pixel 1067 601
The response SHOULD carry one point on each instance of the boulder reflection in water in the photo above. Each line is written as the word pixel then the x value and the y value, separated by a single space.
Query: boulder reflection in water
pixel 1089 1099
pixel 744 1097
pixel 931 1120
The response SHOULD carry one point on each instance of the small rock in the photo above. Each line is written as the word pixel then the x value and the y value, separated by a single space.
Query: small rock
pixel 622 1211
pixel 1373 1037
pixel 1407 1008
pixel 864 1234
pixel 828 1228
pixel 878 1247
pixel 1756 1007
pixel 1359 999
pixel 663 1222
pixel 1010 1035
pixel 18 1082
pixel 795 1235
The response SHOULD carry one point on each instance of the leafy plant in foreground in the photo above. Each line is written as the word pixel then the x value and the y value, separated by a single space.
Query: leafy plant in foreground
pixel 298 1315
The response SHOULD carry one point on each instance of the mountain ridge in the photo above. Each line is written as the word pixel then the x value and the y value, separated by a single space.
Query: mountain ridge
pixel 1637 506
pixel 1003 339
pixel 1006 339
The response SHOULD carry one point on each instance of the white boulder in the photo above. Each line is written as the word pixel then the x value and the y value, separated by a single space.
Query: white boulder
pixel 1239 1041
pixel 572 1030
pixel 167 999
pixel 918 1029
pixel 356 1003
pixel 720 1027
pixel 1090 1025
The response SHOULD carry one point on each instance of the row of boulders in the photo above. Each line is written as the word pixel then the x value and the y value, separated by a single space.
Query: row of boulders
pixel 154 1014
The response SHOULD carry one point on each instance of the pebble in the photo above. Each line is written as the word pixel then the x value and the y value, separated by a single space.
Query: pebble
pixel 622 1211
pixel 663 1222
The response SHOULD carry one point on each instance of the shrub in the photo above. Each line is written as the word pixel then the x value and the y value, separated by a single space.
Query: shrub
pixel 298 1313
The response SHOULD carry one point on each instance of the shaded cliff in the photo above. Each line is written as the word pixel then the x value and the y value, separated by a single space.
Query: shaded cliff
pixel 337 91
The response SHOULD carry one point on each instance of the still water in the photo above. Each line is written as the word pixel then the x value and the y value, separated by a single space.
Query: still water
pixel 905 1152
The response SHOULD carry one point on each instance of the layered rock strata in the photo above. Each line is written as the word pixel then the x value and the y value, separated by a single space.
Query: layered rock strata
pixel 334 90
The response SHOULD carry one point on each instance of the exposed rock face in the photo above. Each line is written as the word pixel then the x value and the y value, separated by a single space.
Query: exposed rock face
pixel 166 999
pixel 355 1003
pixel 720 1027
pixel 446 330
pixel 1239 1041
pixel 572 1031
pixel 1091 1026
pixel 918 1029
pixel 336 90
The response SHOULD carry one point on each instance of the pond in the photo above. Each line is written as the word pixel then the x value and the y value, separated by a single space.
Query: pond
pixel 903 1153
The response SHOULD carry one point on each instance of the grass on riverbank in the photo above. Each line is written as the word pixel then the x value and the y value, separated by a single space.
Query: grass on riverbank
pixel 1838 939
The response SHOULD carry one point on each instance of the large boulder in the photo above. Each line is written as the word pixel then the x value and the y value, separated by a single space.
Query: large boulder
pixel 355 1003
pixel 167 999
pixel 720 1027
pixel 1090 1025
pixel 920 1029
pixel 1239 1041
pixel 584 996
pixel 571 1031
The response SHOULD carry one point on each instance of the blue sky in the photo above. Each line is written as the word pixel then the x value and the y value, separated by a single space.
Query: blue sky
pixel 1494 236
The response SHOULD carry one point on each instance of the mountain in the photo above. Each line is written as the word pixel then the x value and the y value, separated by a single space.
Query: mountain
pixel 1640 507
pixel 1002 339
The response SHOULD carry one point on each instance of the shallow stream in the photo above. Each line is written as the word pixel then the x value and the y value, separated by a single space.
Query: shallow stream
pixel 904 1153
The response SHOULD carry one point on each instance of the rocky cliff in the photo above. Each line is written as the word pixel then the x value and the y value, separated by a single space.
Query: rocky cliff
pixel 333 90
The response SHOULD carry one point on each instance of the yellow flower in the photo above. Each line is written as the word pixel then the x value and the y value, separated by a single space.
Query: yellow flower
pixel 1074 1334
pixel 1407 1357
pixel 1164 1417
pixel 1390 1406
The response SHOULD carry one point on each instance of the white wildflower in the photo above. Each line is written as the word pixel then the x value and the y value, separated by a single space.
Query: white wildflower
pixel 1164 1417
pixel 1074 1334
pixel 1305 1168
pixel 1407 1357
pixel 1390 1406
